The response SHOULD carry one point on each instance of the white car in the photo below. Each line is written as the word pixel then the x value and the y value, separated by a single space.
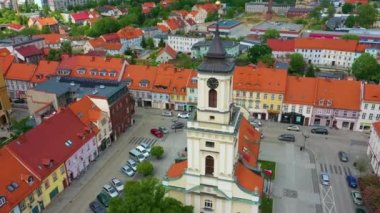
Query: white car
pixel 325 179
pixel 183 115
pixel 126 169
pixel 143 151
pixel 167 114
pixel 110 190
pixel 146 146
pixel 293 128
pixel 256 123
pixel 131 163
pixel 117 184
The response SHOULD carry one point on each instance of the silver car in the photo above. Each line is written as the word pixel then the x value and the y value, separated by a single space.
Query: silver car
pixel 167 114
pixel 131 163
pixel 117 184
pixel 126 169
pixel 293 128
pixel 143 151
pixel 110 190
pixel 325 179
pixel 357 198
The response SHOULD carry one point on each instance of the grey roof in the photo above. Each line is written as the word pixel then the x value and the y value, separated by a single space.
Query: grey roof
pixel 207 43
pixel 18 40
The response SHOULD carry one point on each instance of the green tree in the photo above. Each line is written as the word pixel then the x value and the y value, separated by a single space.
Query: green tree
pixel 66 48
pixel 230 13
pixel 361 165
pixel 150 43
pixel 331 11
pixel 367 15
pixel 350 37
pixel 211 17
pixel 310 71
pixel 143 42
pixel 268 60
pixel 325 3
pixel 20 127
pixel 162 43
pixel 316 13
pixel 350 21
pixel 347 8
pixel 103 26
pixel 271 33
pixel 157 151
pixel 54 55
pixel 255 52
pixel 145 168
pixel 45 30
pixel 297 64
pixel 147 195
pixel 366 68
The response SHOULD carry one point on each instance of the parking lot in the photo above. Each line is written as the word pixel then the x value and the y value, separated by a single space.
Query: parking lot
pixel 84 190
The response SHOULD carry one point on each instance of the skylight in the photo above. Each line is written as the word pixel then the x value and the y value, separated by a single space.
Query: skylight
pixel 68 143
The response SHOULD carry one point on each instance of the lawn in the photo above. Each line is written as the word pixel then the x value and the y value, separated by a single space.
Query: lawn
pixel 266 204
pixel 270 165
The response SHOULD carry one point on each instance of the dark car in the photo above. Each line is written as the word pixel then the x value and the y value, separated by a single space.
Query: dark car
pixel 359 210
pixel 319 130
pixel 287 137
pixel 97 207
pixel 352 181
pixel 178 125
pixel 343 156
pixel 104 199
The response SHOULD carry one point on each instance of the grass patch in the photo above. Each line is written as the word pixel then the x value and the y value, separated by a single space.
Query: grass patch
pixel 270 165
pixel 266 204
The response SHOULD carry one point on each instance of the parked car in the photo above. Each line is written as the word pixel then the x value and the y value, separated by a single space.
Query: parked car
pixel 352 181
pixel 185 115
pixel 110 190
pixel 104 198
pixel 146 146
pixel 255 122
pixel 143 151
pixel 325 179
pixel 167 114
pixel 287 137
pixel 117 184
pixel 97 207
pixel 126 169
pixel 136 155
pixel 357 198
pixel 163 129
pixel 343 156
pixel 178 125
pixel 157 133
pixel 133 164
pixel 293 128
pixel 359 210
pixel 320 130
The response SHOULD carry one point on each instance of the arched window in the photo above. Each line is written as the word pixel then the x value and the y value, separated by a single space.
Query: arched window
pixel 212 98
pixel 209 165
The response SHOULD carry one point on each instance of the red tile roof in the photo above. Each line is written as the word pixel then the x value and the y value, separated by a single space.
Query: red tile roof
pixel 44 70
pixel 164 78
pixel 80 16
pixel 190 82
pixel 357 1
pixel 249 143
pixel 46 142
pixel 173 23
pixel 110 37
pixel 21 72
pixel 209 7
pixel 329 44
pixel 87 111
pixel 53 38
pixel 5 63
pixel 147 7
pixel 170 51
pixel 180 79
pixel 376 126
pixel 112 46
pixel 130 33
pixel 48 21
pixel 4 52
pixel 182 13
pixel 96 42
pixel 14 171
pixel 261 79
pixel 139 73
pixel 281 45
pixel 163 28
pixel 16 27
pixel 177 169
pixel 249 180
pixel 194 13
pixel 191 22
pixel 300 90
pixel 29 50
pixel 372 92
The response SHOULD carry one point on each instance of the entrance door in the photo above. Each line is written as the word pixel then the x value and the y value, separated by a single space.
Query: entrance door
pixel 352 126
pixel 328 123
pixel 35 209
pixel 53 193
pixel 306 122
pixel 263 116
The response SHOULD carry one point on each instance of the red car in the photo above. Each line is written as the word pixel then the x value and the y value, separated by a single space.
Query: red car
pixel 157 133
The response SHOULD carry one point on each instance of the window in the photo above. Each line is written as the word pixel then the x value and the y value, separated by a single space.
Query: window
pixel 31 198
pixel 365 106
pixel 272 97
pixel 55 175
pixel 210 144
pixel 370 116
pixel 209 165
pixel 293 108
pixel 300 109
pixel 47 184
pixel 39 191
pixel 279 97
pixel 62 169
pixel 378 117
pixel 265 96
pixel 258 95
pixel 286 108
pixel 22 205
pixel 278 107
pixel 212 117
pixel 212 98
pixel 271 106
pixel 373 107
pixel 208 204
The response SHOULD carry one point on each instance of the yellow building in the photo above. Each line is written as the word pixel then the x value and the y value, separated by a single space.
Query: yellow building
pixel 260 90
pixel 53 184
pixel 5 104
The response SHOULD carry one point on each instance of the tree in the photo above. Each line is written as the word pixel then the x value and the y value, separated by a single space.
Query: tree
pixel 230 13
pixel 367 15
pixel 150 43
pixel 19 127
pixel 157 151
pixel 366 68
pixel 310 71
pixel 347 8
pixel 325 3
pixel 211 17
pixel 54 55
pixel 350 21
pixel 350 37
pixel 45 30
pixel 297 64
pixel 370 186
pixel 66 48
pixel 268 60
pixel 361 165
pixel 143 42
pixel 331 11
pixel 103 26
pixel 255 52
pixel 271 33
pixel 162 43
pixel 145 168
pixel 147 195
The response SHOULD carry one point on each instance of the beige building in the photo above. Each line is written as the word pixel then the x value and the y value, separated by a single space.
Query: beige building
pixel 220 173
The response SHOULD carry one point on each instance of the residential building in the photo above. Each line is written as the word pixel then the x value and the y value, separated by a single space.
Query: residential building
pixel 167 53
pixel 151 32
pixel 260 90
pixel 222 147
pixel 161 87
pixel 109 11
pixel 45 69
pixel 6 61
pixel 184 44
pixel 28 54
pixel 18 79
pixel 210 8
pixel 61 5
pixel 286 30
pixel 16 42
pixel 178 88
pixel 200 49
pixel 262 7
pixel 40 22
pixel 356 1
pixel 98 44
pixel 281 48
pixel 366 36
pixel 52 41
pixel 199 16
pixel 83 17
pixel 373 150
pixel 175 24
pixel 130 37
pixel 146 7
pixel 369 107
pixel 15 27
pixel 227 28
pixel 298 12
pixel 192 91
pixel 110 38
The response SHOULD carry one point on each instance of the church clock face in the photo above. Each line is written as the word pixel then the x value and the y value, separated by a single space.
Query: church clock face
pixel 212 83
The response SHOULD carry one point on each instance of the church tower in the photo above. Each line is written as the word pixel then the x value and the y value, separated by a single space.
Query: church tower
pixel 216 176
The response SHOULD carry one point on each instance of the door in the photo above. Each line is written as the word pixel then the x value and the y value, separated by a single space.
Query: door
pixel 328 123
pixel 306 122
pixel 35 209
pixel 352 126
pixel 53 193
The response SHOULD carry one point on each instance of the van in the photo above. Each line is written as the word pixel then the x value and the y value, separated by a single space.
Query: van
pixel 136 155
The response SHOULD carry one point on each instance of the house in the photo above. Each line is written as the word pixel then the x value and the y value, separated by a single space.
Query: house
pixel 82 17
pixel 209 8
pixel 15 27
pixel 20 188
pixel 60 5
pixel 178 97
pixel 52 41
pixel 373 151
pixel 286 30
pixel 262 7
pixel 93 44
pixel 166 54
pixel 369 107
pixel 184 43
pixel 192 91
pixel 18 79
pixel 15 42
pixel 110 38
pixel 199 16
pixel 166 3
pixel 92 116
pixel 163 28
pixel 161 87
pixel 29 54
pixel 227 28
pixel 174 24
pixel 109 11
pixel 45 69
pixel 146 7
pixel 298 12
pixel 130 37
pixel 150 32
pixel 113 49
pixel 281 48
pixel 299 100
pixel 6 62
pixel 41 22
pixel 98 44
pixel 200 49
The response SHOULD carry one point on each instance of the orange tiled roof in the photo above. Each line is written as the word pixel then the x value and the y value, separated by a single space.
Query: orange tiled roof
pixel 169 51
pixel 329 44
pixel 163 28
pixel 181 12
pixel 96 42
pixel 53 38
pixel 21 72
pixel 376 126
pixel 261 79
pixel 300 90
pixel 44 70
pixel 248 179
pixel 86 111
pixel 194 13
pixel 14 171
pixel 372 92
pixel 344 94
pixel 177 169
pixel 130 33
pixel 112 46
pixel 164 79
pixel 5 63
pixel 190 82
pixel 180 79
pixel 47 21
pixel 209 7
pixel 173 23
pixel 4 52
pixel 249 142
pixel 138 73
pixel 357 1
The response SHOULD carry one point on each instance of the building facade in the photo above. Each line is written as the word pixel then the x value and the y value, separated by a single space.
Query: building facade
pixel 369 107
pixel 200 49
pixel 183 43
pixel 373 150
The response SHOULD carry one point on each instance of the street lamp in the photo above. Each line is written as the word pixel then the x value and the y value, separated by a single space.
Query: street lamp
pixel 304 141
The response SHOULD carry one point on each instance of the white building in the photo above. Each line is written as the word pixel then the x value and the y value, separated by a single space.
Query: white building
pixel 370 107
pixel 59 4
pixel 18 79
pixel 183 43
pixel 262 7
pixel 373 150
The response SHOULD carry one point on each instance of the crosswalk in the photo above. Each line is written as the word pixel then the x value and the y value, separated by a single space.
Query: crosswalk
pixel 139 140
pixel 335 169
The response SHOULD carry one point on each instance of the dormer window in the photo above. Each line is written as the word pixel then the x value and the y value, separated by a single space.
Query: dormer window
pixel 81 71
pixel 94 71
pixel 174 89
pixel 103 73
pixel 68 143
pixel 321 101
pixel 129 81
pixel 329 103
pixel 194 80
pixel 30 180
pixel 183 89
pixel 64 72
pixel 144 83
pixel 3 201
pixel 112 73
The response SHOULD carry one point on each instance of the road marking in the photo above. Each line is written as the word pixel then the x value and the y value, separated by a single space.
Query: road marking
pixel 325 167
pixel 349 170
pixel 340 170
pixel 328 200
pixel 335 169
pixel 331 169
pixel 321 167
pixel 132 140
pixel 345 171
